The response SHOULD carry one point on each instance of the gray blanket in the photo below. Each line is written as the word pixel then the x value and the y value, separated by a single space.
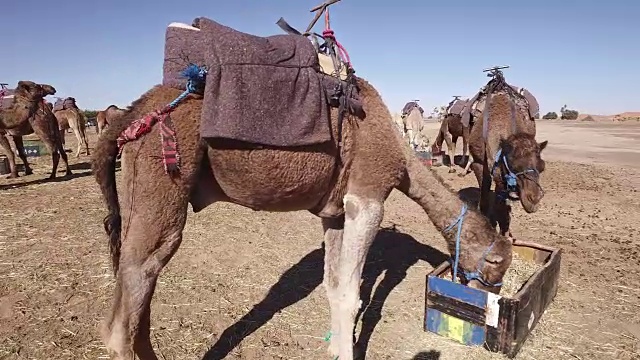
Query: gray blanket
pixel 262 90
pixel 409 106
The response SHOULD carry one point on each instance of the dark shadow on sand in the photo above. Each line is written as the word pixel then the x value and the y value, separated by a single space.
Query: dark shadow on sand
pixel 80 170
pixel 392 253
pixel 427 355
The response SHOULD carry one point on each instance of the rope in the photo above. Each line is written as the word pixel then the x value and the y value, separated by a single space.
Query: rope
pixel 458 221
pixel 469 275
pixel 344 55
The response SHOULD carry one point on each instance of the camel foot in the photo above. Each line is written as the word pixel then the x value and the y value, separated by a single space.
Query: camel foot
pixel 452 170
pixel 13 176
pixel 52 176
pixel 68 173
pixel 28 172
pixel 463 174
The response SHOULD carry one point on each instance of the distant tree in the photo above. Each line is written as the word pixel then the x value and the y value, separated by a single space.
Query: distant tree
pixel 550 116
pixel 90 113
pixel 568 114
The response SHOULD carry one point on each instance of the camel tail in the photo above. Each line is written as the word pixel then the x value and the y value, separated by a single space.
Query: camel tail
pixel 104 170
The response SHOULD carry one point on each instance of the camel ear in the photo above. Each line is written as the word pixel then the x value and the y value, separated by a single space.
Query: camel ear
pixel 494 259
pixel 543 145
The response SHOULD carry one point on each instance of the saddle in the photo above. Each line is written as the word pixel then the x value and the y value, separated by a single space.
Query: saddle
pixel 406 110
pixel 275 90
pixel 65 104
pixel 7 98
pixel 456 107
pixel 475 106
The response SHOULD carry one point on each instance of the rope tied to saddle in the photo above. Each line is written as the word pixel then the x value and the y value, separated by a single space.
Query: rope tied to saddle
pixel 195 76
pixel 469 275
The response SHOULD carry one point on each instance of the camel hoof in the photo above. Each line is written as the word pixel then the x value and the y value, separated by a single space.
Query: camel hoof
pixel 462 175
pixel 68 173
pixel 28 172
pixel 13 176
pixel 452 171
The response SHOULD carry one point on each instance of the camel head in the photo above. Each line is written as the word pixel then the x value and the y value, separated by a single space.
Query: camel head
pixel 521 165
pixel 31 91
pixel 48 89
pixel 484 267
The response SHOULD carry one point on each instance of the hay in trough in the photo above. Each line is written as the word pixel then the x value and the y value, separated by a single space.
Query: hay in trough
pixel 517 275
pixel 519 272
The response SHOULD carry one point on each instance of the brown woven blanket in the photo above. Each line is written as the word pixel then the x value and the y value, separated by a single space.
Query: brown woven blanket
pixel 262 90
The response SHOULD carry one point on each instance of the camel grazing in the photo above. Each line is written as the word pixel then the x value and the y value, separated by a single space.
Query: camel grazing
pixel 343 178
pixel 30 114
pixel 104 117
pixel 504 151
pixel 68 116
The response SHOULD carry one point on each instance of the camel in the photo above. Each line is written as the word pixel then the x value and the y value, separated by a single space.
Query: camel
pixel 503 146
pixel 413 125
pixel 72 117
pixel 451 128
pixel 29 113
pixel 345 185
pixel 104 117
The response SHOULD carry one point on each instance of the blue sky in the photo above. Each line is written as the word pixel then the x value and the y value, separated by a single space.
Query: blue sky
pixel 579 53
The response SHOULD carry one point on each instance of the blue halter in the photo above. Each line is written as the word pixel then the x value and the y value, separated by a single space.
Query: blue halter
pixel 510 178
pixel 469 275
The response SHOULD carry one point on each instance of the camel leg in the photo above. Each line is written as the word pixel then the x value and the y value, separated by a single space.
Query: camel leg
pixel 148 243
pixel 76 132
pixel 450 147
pixel 83 133
pixel 362 218
pixel 23 156
pixel 501 211
pixel 467 167
pixel 4 144
pixel 411 135
pixel 452 154
pixel 484 183
pixel 62 136
pixel 333 230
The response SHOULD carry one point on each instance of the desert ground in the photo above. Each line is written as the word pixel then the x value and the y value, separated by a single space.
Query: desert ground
pixel 247 285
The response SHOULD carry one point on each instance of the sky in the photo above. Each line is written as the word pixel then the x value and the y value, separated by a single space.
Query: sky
pixel 580 53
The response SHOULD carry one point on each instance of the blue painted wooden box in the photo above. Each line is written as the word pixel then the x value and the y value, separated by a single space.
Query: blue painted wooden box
pixel 478 318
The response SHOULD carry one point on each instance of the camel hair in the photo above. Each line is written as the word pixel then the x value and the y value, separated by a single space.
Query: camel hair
pixel 346 186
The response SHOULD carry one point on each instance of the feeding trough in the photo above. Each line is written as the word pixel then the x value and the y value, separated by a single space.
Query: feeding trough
pixel 478 318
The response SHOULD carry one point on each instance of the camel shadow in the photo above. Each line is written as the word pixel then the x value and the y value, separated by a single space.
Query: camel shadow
pixel 471 195
pixel 60 178
pixel 392 253
pixel 457 160
pixel 427 355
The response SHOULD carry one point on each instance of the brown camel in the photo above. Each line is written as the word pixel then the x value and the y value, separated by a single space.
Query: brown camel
pixel 72 117
pixel 504 151
pixel 450 130
pixel 106 116
pixel 28 114
pixel 346 186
